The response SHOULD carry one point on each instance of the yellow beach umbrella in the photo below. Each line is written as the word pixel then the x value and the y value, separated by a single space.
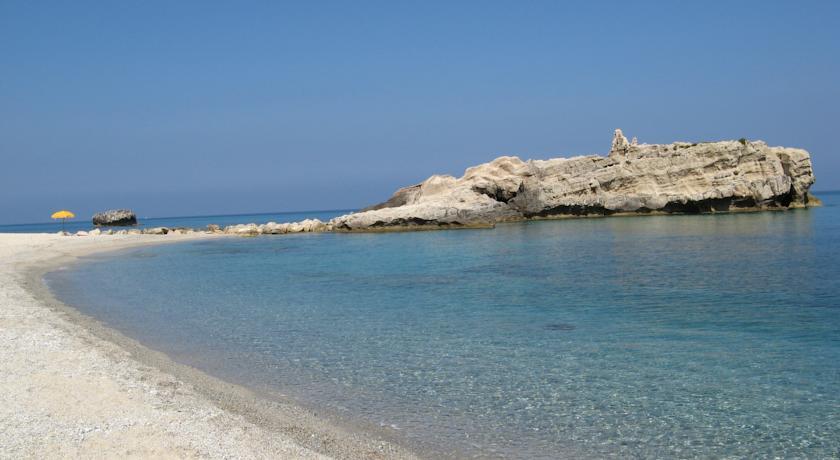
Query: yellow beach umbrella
pixel 63 215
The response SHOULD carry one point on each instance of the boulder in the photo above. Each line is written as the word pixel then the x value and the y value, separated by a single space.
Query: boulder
pixel 115 218
pixel 311 225
pixel 243 229
pixel 273 228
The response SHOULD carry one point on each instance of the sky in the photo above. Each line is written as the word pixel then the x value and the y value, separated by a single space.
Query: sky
pixel 199 108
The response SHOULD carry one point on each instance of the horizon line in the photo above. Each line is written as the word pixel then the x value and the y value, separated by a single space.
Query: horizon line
pixel 204 215
pixel 273 213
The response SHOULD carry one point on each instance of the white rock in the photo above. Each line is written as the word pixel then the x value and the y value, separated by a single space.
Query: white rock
pixel 243 229
pixel 619 143
pixel 634 178
pixel 156 231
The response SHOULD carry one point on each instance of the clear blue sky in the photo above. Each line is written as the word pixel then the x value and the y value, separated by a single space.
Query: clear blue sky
pixel 185 108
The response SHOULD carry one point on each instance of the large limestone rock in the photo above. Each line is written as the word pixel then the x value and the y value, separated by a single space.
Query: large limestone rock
pixel 634 178
pixel 115 218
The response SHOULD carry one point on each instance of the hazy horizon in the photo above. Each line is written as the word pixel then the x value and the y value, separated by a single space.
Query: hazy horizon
pixel 193 109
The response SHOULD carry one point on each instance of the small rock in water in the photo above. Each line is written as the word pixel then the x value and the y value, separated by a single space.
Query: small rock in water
pixel 559 327
pixel 115 218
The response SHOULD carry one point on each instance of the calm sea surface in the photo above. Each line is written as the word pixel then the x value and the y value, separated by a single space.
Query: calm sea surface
pixel 677 336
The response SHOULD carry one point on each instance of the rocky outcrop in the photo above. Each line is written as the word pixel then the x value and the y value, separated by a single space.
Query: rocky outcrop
pixel 681 177
pixel 115 218
pixel 620 146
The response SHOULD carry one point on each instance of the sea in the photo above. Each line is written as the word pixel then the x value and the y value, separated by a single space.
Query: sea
pixel 683 336
pixel 194 222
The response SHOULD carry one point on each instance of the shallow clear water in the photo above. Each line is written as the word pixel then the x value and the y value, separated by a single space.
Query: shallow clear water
pixel 677 336
pixel 74 225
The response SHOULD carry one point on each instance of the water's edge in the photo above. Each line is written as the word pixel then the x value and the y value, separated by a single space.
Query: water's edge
pixel 316 429
pixel 771 267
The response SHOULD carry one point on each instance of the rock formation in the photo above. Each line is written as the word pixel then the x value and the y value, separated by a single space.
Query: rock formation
pixel 115 218
pixel 681 177
pixel 273 228
pixel 619 143
pixel 634 178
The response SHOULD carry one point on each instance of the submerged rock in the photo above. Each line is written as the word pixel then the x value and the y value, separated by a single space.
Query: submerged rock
pixel 634 178
pixel 115 218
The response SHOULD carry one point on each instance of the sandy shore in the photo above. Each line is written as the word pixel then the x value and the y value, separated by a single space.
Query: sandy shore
pixel 70 387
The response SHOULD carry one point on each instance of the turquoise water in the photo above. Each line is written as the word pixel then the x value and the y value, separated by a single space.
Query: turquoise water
pixel 678 336
pixel 198 222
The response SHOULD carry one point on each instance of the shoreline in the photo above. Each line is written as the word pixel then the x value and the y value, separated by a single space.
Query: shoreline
pixel 153 405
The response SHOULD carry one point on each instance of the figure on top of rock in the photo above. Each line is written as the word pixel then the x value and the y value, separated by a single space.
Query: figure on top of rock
pixel 619 144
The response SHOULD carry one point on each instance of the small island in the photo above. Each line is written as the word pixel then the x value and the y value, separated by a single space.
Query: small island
pixel 676 178
pixel 632 179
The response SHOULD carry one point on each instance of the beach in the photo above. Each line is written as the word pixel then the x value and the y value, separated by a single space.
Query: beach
pixel 70 387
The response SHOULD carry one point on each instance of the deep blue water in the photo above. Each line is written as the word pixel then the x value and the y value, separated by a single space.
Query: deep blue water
pixel 197 222
pixel 675 336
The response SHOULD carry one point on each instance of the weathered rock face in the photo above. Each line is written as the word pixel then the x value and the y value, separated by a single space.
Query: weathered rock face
pixel 115 218
pixel 634 178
